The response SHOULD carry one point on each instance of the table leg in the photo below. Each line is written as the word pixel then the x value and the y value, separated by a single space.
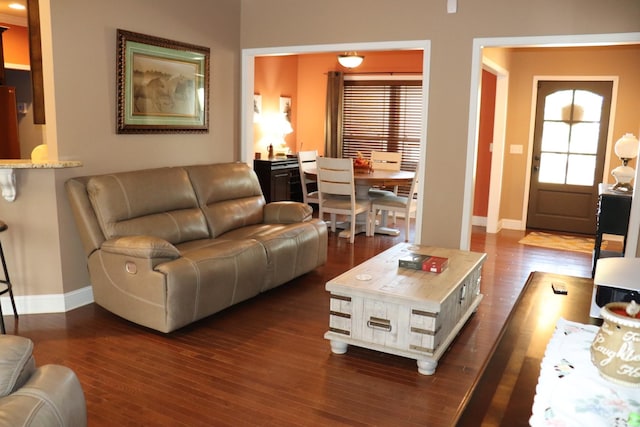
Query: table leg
pixel 427 367
pixel 338 347
pixel 383 228
pixel 361 226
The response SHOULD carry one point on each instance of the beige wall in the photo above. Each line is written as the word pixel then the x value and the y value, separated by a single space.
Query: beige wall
pixel 79 39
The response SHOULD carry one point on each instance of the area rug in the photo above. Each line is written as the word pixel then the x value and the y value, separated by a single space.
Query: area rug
pixel 561 242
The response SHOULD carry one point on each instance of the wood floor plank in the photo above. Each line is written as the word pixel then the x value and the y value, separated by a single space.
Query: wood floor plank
pixel 265 362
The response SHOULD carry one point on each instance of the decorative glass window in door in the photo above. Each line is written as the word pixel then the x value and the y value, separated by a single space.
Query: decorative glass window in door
pixel 570 130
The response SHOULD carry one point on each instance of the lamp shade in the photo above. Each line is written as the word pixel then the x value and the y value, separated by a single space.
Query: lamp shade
pixel 350 59
pixel 627 146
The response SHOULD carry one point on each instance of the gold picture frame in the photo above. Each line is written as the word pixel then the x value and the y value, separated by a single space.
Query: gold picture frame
pixel 162 85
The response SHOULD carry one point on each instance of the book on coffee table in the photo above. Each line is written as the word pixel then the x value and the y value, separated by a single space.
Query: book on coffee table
pixel 430 263
pixel 413 261
pixel 435 264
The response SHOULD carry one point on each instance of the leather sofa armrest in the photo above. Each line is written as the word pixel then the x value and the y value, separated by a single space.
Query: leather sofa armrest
pixel 147 247
pixel 287 212
pixel 53 396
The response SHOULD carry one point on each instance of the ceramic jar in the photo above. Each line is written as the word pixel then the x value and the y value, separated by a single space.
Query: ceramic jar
pixel 615 350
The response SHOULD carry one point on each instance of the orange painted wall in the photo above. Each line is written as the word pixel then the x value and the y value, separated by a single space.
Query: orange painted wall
pixel 485 139
pixel 275 76
pixel 16 44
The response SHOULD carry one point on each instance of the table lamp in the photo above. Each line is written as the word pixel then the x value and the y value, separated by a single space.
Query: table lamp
pixel 626 148
pixel 275 127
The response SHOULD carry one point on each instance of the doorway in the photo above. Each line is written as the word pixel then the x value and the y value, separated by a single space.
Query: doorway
pixel 247 91
pixel 570 138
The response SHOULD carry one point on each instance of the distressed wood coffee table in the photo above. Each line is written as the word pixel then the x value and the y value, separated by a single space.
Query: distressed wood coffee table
pixel 410 313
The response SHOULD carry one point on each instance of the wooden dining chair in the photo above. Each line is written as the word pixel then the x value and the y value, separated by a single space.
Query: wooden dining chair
pixel 392 203
pixel 385 160
pixel 337 193
pixel 306 161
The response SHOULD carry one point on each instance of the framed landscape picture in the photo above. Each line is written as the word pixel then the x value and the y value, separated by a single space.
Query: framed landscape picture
pixel 162 85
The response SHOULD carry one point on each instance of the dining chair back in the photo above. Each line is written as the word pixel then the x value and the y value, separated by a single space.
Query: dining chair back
pixel 385 160
pixel 337 193
pixel 306 161
pixel 407 205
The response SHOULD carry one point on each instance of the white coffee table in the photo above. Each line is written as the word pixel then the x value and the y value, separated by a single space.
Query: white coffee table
pixel 410 313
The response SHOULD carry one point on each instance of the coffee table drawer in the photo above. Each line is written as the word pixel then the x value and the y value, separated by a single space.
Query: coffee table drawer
pixel 378 322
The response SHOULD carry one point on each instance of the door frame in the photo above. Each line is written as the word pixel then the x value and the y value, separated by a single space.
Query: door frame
pixel 472 138
pixel 247 91
pixel 493 224
pixel 534 103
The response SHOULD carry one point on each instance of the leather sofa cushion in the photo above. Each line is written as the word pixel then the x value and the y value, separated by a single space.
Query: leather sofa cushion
pixel 16 362
pixel 230 195
pixel 157 202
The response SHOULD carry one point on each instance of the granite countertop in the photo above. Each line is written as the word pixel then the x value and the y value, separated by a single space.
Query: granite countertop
pixel 28 164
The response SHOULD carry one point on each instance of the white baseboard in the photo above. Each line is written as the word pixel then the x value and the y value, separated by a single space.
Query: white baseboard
pixel 52 303
pixel 512 224
pixel 479 221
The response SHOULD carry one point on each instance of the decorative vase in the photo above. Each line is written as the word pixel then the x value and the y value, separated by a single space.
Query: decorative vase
pixel 615 350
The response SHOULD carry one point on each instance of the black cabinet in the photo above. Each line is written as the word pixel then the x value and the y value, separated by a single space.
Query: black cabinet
pixel 613 213
pixel 279 179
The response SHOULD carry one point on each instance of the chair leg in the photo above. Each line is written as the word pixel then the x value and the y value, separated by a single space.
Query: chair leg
pixel 2 329
pixel 407 219
pixel 352 237
pixel 7 281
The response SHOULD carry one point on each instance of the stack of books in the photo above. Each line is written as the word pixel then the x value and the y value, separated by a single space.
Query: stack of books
pixel 430 263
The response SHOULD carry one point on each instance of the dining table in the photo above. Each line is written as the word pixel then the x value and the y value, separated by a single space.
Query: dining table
pixel 365 179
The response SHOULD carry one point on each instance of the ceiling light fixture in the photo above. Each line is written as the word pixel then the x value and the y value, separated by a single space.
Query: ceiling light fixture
pixel 350 59
pixel 17 6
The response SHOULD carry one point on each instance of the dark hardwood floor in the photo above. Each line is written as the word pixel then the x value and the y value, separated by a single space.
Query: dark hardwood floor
pixel 265 362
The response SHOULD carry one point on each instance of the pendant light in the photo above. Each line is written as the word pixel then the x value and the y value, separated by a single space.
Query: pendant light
pixel 350 59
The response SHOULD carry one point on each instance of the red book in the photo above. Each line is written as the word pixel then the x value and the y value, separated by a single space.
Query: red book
pixel 435 264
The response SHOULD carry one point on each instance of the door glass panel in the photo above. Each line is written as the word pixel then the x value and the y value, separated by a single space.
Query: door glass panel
pixel 581 169
pixel 591 104
pixel 569 140
pixel 555 104
pixel 552 168
pixel 584 138
pixel 555 136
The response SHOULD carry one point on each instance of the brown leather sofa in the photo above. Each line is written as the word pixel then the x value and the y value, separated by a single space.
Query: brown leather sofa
pixel 169 246
pixel 49 395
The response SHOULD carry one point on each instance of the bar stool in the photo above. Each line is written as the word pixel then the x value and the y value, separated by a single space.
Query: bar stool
pixel 6 282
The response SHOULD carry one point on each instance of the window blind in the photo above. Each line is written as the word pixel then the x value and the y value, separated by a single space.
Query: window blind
pixel 383 115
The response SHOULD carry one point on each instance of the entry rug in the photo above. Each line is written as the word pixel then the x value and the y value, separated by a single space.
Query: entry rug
pixel 570 390
pixel 562 242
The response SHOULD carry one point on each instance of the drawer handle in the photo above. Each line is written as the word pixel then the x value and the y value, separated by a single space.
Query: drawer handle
pixel 377 323
pixel 463 293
